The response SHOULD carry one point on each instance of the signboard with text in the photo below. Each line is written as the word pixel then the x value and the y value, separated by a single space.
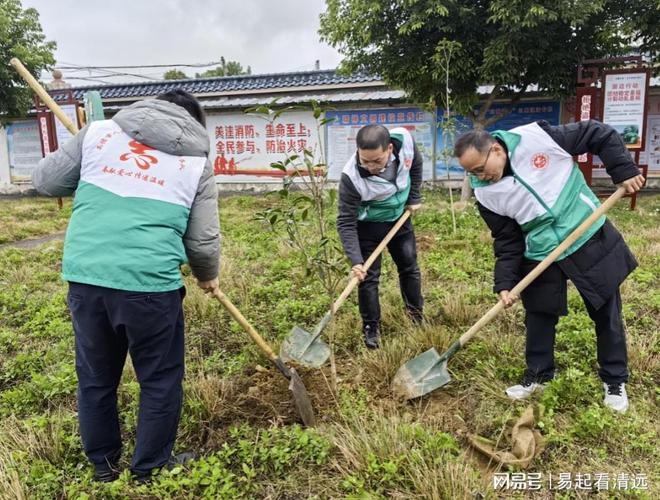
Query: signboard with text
pixel 341 133
pixel 585 109
pixel 52 133
pixel 624 104
pixel 24 148
pixel 521 114
pixel 651 154
pixel 62 134
pixel 243 146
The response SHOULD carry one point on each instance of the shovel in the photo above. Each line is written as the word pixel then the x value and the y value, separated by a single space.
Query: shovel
pixel 43 95
pixel 307 348
pixel 428 371
pixel 296 386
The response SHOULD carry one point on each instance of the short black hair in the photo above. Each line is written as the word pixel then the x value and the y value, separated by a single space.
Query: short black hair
pixel 478 139
pixel 373 137
pixel 187 101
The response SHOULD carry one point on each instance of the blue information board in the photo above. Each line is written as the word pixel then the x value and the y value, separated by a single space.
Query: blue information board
pixel 341 132
pixel 523 113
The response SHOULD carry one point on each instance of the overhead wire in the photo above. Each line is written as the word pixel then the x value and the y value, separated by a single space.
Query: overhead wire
pixel 66 65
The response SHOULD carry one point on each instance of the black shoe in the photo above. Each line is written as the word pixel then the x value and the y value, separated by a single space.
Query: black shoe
pixel 416 316
pixel 371 336
pixel 142 478
pixel 105 475
pixel 108 471
pixel 175 460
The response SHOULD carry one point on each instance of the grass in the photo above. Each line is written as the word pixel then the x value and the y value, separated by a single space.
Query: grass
pixel 238 412
pixel 25 218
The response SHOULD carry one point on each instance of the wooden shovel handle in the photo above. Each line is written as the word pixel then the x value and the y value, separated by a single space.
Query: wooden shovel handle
pixel 43 95
pixel 374 255
pixel 545 263
pixel 240 319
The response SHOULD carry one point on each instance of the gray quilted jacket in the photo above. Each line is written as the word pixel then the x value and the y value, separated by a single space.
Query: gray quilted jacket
pixel 170 129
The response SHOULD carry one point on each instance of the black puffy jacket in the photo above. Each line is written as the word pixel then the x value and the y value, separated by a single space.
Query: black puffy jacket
pixel 601 264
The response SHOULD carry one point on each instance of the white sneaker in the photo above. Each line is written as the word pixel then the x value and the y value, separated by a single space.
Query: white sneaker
pixel 524 390
pixel 616 397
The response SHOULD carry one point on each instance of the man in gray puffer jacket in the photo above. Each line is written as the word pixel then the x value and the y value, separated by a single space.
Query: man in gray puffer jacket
pixel 145 203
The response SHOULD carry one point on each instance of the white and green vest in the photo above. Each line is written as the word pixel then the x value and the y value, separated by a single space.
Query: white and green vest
pixel 546 195
pixel 130 213
pixel 382 200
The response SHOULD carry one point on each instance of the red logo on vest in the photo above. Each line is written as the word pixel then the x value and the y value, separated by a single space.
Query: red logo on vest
pixel 139 156
pixel 540 160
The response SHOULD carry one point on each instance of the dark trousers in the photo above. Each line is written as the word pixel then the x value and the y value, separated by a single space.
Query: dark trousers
pixel 107 324
pixel 403 250
pixel 610 341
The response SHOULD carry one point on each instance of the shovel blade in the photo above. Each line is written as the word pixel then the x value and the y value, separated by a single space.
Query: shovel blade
pixel 301 399
pixel 421 375
pixel 301 347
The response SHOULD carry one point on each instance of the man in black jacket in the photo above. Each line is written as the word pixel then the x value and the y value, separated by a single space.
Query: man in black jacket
pixel 532 195
pixel 378 183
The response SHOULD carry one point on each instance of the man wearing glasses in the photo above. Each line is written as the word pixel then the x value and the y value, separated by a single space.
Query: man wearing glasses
pixel 378 183
pixel 532 196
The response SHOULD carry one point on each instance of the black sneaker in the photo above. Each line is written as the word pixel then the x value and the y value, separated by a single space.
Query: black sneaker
pixel 371 336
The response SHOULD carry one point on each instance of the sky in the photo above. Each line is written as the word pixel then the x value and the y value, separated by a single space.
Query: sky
pixel 270 36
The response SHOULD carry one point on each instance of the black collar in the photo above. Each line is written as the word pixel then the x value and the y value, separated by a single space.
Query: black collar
pixel 507 167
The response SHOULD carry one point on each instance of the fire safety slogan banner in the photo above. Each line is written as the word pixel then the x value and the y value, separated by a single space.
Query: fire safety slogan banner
pixel 243 146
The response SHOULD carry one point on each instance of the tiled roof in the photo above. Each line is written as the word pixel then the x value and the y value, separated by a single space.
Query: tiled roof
pixel 247 101
pixel 276 82
pixel 228 84
pixel 300 98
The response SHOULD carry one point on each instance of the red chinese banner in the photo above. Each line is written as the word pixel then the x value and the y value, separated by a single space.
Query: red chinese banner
pixel 244 146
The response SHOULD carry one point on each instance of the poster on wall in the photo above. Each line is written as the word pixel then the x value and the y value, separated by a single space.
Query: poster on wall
pixel 653 144
pixel 62 133
pixel 342 130
pixel 624 104
pixel 522 113
pixel 24 149
pixel 651 152
pixel 243 146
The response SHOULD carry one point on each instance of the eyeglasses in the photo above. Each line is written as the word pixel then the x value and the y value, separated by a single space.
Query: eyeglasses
pixel 375 163
pixel 480 169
